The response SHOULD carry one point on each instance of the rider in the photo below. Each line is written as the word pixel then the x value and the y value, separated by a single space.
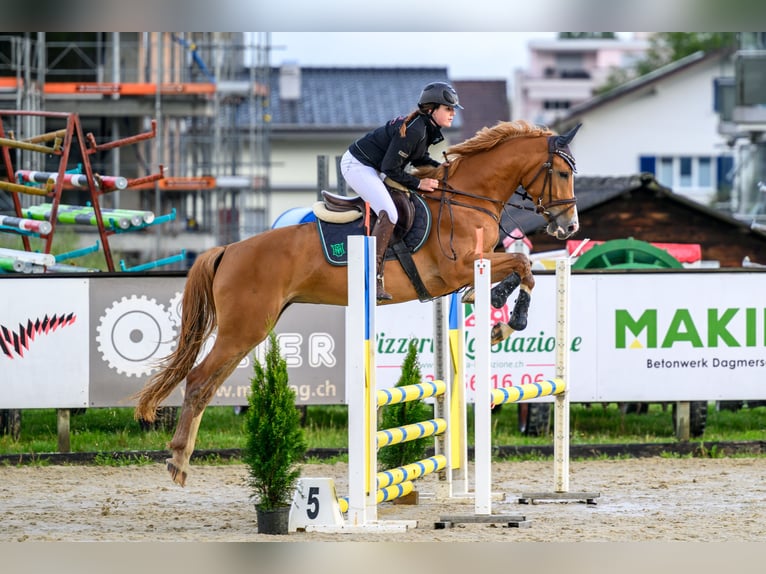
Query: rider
pixel 388 150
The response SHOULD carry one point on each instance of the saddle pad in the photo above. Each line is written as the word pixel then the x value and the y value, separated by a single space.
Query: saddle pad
pixel 333 236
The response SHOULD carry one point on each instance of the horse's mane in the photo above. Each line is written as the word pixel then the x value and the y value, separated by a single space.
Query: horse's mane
pixel 485 139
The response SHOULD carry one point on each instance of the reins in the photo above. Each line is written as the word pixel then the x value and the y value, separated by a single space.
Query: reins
pixel 540 207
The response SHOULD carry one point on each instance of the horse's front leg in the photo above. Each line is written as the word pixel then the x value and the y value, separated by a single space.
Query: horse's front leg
pixel 509 271
pixel 499 293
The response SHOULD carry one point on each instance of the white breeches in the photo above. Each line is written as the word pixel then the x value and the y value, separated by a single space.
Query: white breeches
pixel 367 182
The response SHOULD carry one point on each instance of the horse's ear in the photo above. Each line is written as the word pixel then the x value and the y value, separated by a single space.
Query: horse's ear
pixel 565 139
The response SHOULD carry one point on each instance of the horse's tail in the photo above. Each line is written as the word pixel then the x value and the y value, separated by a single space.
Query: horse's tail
pixel 198 319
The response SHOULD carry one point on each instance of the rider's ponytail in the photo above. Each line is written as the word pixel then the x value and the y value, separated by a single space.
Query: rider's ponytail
pixel 426 109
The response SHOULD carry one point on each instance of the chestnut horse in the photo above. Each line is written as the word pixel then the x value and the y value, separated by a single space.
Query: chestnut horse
pixel 241 289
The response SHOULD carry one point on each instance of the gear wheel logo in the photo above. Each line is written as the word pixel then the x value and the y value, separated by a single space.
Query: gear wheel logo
pixel 175 308
pixel 134 334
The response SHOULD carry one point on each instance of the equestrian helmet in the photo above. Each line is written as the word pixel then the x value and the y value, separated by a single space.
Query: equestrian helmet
pixel 439 93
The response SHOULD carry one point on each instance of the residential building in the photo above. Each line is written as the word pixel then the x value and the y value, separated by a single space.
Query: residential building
pixel 563 73
pixel 741 105
pixel 663 123
pixel 237 138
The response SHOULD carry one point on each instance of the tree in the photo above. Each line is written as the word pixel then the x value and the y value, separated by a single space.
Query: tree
pixel 667 47
pixel 275 442
pixel 404 414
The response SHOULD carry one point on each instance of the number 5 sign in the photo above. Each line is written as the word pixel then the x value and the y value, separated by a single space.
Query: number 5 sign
pixel 315 505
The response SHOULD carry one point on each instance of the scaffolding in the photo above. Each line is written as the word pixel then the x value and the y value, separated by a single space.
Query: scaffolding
pixel 207 93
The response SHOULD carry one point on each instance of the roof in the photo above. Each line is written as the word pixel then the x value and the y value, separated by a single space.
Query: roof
pixel 574 114
pixel 350 98
pixel 485 103
pixel 594 191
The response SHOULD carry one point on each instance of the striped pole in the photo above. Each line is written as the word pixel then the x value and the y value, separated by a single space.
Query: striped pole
pixel 360 323
pixel 486 396
pixel 23 224
pixel 409 393
pixel 402 475
pixel 482 277
pixel 76 215
pixel 527 391
pixel 78 180
pixel 367 487
pixel 407 433
pixel 561 404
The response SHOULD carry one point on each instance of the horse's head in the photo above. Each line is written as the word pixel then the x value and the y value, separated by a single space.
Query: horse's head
pixel 555 199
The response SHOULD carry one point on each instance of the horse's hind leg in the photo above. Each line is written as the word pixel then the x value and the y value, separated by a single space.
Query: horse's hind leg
pixel 201 385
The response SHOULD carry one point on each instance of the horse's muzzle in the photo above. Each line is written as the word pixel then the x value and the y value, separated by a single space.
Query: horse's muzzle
pixel 558 231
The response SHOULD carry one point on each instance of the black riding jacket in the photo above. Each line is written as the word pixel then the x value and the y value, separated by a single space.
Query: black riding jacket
pixel 388 152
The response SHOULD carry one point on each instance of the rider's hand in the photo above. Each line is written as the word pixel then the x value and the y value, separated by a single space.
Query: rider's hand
pixel 428 184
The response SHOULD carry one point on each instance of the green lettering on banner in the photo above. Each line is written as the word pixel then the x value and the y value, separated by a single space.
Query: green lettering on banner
pixel 716 328
pixel 623 322
pixel 682 328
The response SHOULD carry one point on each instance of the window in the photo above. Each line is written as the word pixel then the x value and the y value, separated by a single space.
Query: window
pixel 705 174
pixel 665 171
pixel 569 61
pixel 685 172
pixel 690 173
pixel 556 105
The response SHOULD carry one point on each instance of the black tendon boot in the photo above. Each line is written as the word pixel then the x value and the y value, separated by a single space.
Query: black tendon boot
pixel 382 233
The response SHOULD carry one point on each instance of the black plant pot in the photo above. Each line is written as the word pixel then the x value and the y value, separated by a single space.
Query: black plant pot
pixel 273 521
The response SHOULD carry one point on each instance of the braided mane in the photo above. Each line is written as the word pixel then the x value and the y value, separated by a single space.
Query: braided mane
pixel 485 139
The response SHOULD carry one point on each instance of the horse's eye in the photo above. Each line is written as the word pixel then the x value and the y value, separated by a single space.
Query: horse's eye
pixel 564 174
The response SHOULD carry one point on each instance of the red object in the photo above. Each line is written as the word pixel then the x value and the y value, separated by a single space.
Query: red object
pixel 514 236
pixel 684 252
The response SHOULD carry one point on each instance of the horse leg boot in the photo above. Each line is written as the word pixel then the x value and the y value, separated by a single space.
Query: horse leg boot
pixel 382 232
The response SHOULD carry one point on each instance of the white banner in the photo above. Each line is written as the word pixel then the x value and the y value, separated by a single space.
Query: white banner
pixel 633 337
pixel 44 336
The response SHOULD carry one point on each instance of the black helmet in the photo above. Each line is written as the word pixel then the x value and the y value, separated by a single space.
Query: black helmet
pixel 439 93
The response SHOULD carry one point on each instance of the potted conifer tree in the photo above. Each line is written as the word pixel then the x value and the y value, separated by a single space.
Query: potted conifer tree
pixel 275 441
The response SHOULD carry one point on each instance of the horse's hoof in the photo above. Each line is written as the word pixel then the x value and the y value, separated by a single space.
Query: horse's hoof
pixel 500 333
pixel 518 320
pixel 468 296
pixel 178 475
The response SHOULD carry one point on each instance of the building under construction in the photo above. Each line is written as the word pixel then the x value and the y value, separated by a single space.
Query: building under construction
pixel 184 117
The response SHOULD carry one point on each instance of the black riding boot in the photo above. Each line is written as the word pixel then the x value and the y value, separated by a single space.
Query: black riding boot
pixel 382 233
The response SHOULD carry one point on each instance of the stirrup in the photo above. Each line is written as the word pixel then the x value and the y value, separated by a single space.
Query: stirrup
pixel 381 293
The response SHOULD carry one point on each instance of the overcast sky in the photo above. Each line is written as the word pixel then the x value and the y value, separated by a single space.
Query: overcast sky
pixel 467 55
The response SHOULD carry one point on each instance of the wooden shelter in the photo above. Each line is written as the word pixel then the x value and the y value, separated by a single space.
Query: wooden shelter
pixel 639 207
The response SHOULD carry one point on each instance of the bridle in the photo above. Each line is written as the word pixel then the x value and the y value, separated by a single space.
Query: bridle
pixel 547 169
pixel 543 209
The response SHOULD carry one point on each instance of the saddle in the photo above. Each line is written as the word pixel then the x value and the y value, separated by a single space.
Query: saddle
pixel 342 209
pixel 339 216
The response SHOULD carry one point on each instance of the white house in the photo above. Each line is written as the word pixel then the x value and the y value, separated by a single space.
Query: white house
pixel 664 123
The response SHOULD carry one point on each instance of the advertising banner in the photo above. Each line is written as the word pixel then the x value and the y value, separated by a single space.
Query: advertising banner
pixel 44 336
pixel 635 337
pixel 135 322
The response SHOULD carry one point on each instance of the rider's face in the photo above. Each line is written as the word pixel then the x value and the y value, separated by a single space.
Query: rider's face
pixel 443 116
